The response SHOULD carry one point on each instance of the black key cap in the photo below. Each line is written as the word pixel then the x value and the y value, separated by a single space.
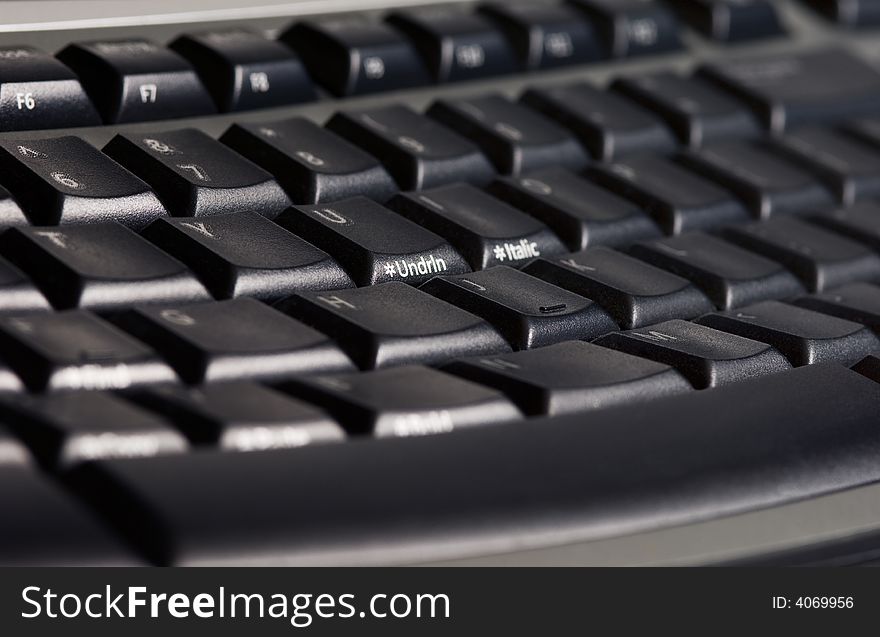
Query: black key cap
pixel 67 180
pixel 806 88
pixel 634 27
pixel 50 528
pixel 606 123
pixel 245 254
pixel 572 377
pixel 395 324
pixel 744 444
pixel 767 182
pixel 356 57
pixel 17 293
pixel 101 267
pixel 12 451
pixel 406 401
pixel 10 213
pixel 137 81
pixel 731 20
pixel 677 199
pixel 580 213
pixel 195 175
pixel 821 259
pixel 232 340
pixel 851 13
pixel 633 292
pixel 37 91
pixel 697 111
pixel 514 137
pixel 243 70
pixel 705 356
pixel 856 302
pixel 546 36
pixel 455 45
pixel 849 167
pixel 312 164
pixel 527 311
pixel 860 222
pixel 729 275
pixel 77 350
pixel 241 416
pixel 485 230
pixel 417 151
pixel 372 243
pixel 803 336
pixel 67 428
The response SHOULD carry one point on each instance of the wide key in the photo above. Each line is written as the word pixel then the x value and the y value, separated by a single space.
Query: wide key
pixel 527 311
pixel 372 243
pixel 233 340
pixel 395 324
pixel 633 292
pixel 245 254
pixel 417 151
pixel 195 175
pixel 805 337
pixel 67 180
pixel 705 356
pixel 486 231
pixel 572 377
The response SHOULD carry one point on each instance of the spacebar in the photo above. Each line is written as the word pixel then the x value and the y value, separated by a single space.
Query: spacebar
pixel 755 444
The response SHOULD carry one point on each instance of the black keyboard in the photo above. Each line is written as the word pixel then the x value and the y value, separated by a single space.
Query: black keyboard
pixel 586 282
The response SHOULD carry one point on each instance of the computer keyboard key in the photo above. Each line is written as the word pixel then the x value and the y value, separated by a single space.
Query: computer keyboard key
pixel 633 292
pixel 678 199
pixel 137 80
pixel 242 70
pixel 851 13
pixel 10 212
pixel 395 324
pixel 417 151
pixel 233 340
pixel 46 526
pixel 101 267
pixel 578 211
pixel 456 45
pixel 696 110
pixel 546 36
pixel 572 377
pixel 67 428
pixel 527 311
pixel 372 243
pixel 706 357
pixel 789 90
pixel 860 222
pixel 245 254
pixel 356 57
pixel 606 123
pixel 241 416
pixel 406 401
pixel 728 274
pixel 856 302
pixel 13 453
pixel 195 175
pixel 821 259
pixel 17 293
pixel 805 337
pixel 763 178
pixel 849 167
pixel 486 231
pixel 75 349
pixel 67 180
pixel 37 91
pixel 731 20
pixel 634 27
pixel 515 138
pixel 312 164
